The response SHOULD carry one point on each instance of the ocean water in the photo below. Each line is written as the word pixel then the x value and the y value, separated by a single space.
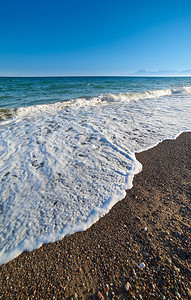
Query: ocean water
pixel 67 149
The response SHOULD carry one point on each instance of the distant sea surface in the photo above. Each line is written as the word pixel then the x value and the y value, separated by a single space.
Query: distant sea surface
pixel 67 149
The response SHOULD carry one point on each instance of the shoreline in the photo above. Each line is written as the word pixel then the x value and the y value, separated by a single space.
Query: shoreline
pixel 149 226
pixel 96 216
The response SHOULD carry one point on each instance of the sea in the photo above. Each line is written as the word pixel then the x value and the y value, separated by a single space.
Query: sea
pixel 67 149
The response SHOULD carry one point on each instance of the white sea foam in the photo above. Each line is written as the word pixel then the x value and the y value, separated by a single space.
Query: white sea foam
pixel 103 99
pixel 187 90
pixel 128 97
pixel 64 165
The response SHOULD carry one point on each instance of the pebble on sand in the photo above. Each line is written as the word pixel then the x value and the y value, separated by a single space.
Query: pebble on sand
pixel 100 296
pixel 74 297
pixel 127 286
pixel 142 265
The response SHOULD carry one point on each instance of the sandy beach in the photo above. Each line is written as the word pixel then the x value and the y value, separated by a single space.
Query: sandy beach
pixel 139 250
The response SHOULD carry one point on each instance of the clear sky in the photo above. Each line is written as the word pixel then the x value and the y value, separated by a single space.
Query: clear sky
pixel 87 37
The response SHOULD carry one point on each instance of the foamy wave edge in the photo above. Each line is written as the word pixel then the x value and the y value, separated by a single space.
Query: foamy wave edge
pixel 102 99
pixel 94 216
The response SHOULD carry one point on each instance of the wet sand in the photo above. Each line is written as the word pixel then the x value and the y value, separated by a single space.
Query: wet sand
pixel 139 250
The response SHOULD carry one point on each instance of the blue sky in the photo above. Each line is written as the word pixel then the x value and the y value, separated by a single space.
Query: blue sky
pixel 62 37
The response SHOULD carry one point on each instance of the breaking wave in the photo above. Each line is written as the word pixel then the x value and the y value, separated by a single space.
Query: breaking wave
pixel 103 99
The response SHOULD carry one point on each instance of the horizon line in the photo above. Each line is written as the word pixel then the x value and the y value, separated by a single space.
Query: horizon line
pixel 64 76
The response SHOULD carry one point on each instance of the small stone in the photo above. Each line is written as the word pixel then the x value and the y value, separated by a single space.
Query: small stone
pixel 142 265
pixel 100 296
pixel 189 292
pixel 177 295
pixel 177 270
pixel 134 273
pixel 127 286
pixel 145 228
pixel 131 294
pixel 74 297
pixel 168 261
pixel 153 286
